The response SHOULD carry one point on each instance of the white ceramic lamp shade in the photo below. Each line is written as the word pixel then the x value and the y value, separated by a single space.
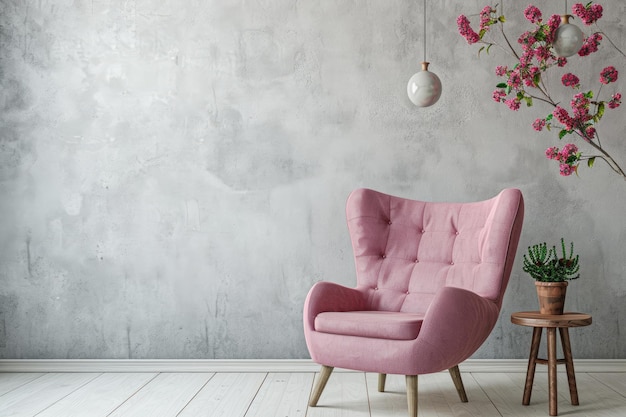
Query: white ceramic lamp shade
pixel 424 87
pixel 568 38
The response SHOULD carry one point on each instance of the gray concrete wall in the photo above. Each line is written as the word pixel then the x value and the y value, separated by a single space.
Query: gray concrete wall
pixel 173 173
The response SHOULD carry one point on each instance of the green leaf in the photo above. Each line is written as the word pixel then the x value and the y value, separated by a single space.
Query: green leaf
pixel 600 110
pixel 502 19
pixel 482 33
pixel 529 101
pixel 589 95
pixel 590 162
pixel 563 132
pixel 489 47
pixel 507 90
pixel 549 127
pixel 480 50
pixel 549 117
pixel 501 85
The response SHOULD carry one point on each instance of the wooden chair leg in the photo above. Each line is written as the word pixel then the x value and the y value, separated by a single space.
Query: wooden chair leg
pixel 458 382
pixel 569 364
pixel 552 389
pixel 411 394
pixel 321 383
pixel 532 364
pixel 381 382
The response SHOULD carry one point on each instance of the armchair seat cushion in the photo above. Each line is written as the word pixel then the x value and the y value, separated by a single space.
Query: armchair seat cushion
pixel 372 324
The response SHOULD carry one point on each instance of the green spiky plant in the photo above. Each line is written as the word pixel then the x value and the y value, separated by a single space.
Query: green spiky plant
pixel 545 265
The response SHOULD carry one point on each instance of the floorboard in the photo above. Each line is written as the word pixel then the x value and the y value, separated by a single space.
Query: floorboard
pixel 225 395
pixel 164 396
pixel 11 381
pixel 100 397
pixel 347 394
pixel 40 393
pixel 282 394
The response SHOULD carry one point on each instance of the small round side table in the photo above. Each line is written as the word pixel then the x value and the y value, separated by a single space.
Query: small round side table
pixel 562 322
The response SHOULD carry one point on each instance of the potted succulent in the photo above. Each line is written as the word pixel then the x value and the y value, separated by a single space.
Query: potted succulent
pixel 551 273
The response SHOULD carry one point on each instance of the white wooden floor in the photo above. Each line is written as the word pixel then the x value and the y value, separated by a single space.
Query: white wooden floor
pixel 286 394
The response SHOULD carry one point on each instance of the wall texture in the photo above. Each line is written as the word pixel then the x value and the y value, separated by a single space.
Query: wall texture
pixel 173 173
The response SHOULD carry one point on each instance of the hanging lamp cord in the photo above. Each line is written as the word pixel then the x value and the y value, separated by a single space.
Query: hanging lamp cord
pixel 424 30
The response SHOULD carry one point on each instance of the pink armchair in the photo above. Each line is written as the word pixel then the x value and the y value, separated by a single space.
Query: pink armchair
pixel 430 283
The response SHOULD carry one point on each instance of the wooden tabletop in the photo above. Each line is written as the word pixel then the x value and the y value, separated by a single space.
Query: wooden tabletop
pixel 536 319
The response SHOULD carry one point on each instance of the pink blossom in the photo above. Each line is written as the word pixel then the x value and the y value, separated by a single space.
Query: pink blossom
pixel 501 70
pixel 570 80
pixel 553 153
pixel 590 45
pixel 527 39
pixel 485 17
pixel 563 117
pixel 533 14
pixel 514 81
pixel 513 104
pixel 588 14
pixel 539 124
pixel 542 53
pixel 608 75
pixel 616 100
pixel 569 150
pixel 562 61
pixel 553 24
pixel 580 105
pixel 466 30
pixel 527 56
pixel 590 133
pixel 529 76
pixel 499 95
pixel 566 170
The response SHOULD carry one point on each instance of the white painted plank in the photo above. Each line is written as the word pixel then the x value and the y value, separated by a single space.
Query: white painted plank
pixel 10 381
pixel 282 394
pixel 345 395
pixel 596 399
pixel 225 395
pixel 614 380
pixel 164 396
pixel 39 394
pixel 506 391
pixel 437 396
pixel 100 396
pixel 392 402
pixel 449 403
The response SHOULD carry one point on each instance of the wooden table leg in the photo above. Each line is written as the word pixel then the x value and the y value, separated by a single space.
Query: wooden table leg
pixel 552 371
pixel 532 363
pixel 569 364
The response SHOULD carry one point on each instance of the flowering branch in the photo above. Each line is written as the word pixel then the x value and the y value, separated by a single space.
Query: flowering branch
pixel 524 81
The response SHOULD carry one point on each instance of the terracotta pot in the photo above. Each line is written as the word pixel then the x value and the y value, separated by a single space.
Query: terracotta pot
pixel 551 296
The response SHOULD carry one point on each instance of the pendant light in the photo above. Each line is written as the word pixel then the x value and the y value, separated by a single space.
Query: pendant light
pixel 568 38
pixel 424 87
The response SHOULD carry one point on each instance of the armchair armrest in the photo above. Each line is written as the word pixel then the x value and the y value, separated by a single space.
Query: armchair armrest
pixel 456 324
pixel 328 296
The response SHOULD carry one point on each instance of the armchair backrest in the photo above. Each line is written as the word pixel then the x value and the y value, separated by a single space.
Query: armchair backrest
pixel 405 250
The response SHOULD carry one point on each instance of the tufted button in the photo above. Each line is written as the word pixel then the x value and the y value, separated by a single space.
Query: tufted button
pixel 375 288
pixel 389 222
pixel 423 231
pixel 383 256
pixel 407 292
pixel 457 233
pixel 417 261
pixel 451 262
